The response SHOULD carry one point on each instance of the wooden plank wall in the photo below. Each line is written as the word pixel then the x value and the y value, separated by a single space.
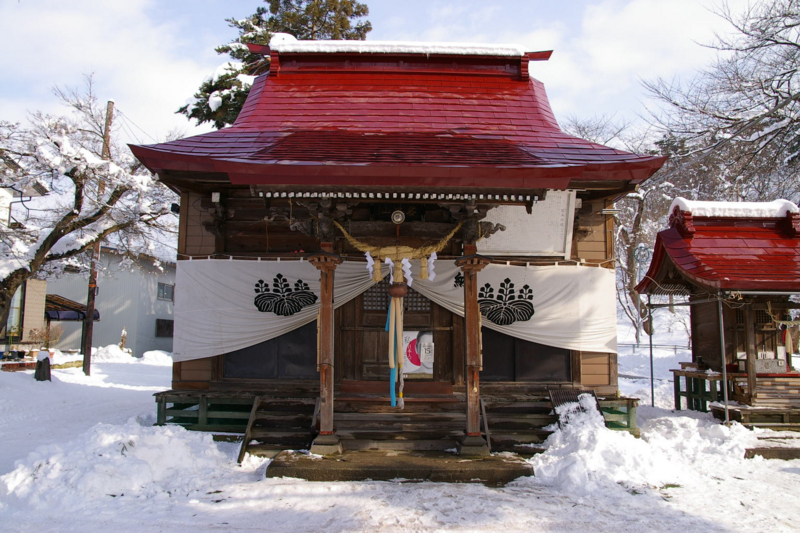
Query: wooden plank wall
pixel 705 333
pixel 599 372
pixel 194 238
pixel 593 234
pixel 194 374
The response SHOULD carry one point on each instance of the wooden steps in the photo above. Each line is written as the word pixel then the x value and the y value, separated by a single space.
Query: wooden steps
pixel 777 392
pixel 517 423
pixel 514 422
pixel 780 418
pixel 279 424
pixel 426 423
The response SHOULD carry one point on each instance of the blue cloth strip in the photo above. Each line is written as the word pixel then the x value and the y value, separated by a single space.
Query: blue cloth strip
pixel 393 371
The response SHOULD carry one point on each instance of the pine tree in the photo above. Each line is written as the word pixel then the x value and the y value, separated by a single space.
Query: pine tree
pixel 221 96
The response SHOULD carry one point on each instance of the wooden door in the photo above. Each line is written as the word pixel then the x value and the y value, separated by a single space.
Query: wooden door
pixel 362 343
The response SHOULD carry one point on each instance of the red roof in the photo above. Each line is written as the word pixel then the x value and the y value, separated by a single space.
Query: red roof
pixel 408 120
pixel 727 253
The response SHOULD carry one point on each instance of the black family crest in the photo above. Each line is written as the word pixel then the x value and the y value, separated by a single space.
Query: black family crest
pixel 283 300
pixel 506 307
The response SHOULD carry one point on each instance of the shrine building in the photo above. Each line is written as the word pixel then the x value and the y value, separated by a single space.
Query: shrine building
pixel 394 245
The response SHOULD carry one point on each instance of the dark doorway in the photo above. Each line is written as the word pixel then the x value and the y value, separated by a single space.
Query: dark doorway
pixel 290 356
pixel 507 358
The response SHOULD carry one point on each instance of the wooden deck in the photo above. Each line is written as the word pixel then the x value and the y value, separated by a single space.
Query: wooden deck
pixel 701 388
pixel 775 418
pixel 271 421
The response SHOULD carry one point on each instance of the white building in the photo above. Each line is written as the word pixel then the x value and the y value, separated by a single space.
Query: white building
pixel 137 298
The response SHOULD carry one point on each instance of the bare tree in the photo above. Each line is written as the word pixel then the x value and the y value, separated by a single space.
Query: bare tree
pixel 640 214
pixel 90 198
pixel 744 109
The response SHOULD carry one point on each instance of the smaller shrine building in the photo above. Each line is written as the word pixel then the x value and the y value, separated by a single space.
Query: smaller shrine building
pixel 739 265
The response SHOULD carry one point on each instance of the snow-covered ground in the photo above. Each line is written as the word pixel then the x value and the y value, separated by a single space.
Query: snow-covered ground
pixel 81 454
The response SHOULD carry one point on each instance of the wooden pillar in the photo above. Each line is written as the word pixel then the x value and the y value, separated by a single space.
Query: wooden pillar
pixel 750 343
pixel 327 442
pixel 473 443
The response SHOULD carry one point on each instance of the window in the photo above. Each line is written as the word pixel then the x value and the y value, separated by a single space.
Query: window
pixel 164 327
pixel 166 292
pixel 376 298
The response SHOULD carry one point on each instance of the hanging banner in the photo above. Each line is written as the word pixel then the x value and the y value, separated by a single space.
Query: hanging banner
pixel 226 305
pixel 571 307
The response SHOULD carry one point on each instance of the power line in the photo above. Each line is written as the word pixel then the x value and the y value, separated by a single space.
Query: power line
pixel 127 119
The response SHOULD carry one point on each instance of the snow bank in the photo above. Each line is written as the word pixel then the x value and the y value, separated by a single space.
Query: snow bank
pixel 116 461
pixel 693 439
pixel 777 208
pixel 157 357
pixel 396 47
pixel 111 354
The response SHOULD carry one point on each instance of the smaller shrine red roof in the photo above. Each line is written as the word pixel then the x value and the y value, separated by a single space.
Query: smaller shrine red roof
pixel 726 253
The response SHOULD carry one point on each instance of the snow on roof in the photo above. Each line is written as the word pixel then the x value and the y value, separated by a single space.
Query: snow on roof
pixel 282 42
pixel 776 208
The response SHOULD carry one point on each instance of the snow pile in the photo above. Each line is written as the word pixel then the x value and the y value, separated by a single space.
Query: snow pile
pixel 694 439
pixel 279 37
pixel 111 354
pixel 584 456
pixel 396 47
pixel 157 357
pixel 774 209
pixel 116 461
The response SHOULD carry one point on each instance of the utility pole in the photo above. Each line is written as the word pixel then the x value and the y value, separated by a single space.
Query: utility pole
pixel 88 321
pixel 641 254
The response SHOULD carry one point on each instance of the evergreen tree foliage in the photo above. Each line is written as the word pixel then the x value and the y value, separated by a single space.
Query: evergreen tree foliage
pixel 221 96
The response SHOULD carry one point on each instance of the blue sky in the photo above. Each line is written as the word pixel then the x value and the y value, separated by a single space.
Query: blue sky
pixel 150 55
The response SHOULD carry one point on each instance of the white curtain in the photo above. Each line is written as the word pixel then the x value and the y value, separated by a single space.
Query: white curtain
pixel 216 311
pixel 215 302
pixel 574 306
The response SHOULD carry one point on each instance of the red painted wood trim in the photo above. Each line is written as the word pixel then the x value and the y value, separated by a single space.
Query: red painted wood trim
pixel 543 55
pixel 258 49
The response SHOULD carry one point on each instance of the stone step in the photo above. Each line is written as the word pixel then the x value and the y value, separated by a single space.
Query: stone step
pixel 411 434
pixel 268 450
pixel 389 465
pixel 400 445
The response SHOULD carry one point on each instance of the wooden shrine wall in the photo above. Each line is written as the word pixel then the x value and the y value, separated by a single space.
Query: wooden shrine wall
pixel 252 226
pixel 593 234
pixel 704 319
pixel 194 237
pixel 598 371
pixel 240 229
